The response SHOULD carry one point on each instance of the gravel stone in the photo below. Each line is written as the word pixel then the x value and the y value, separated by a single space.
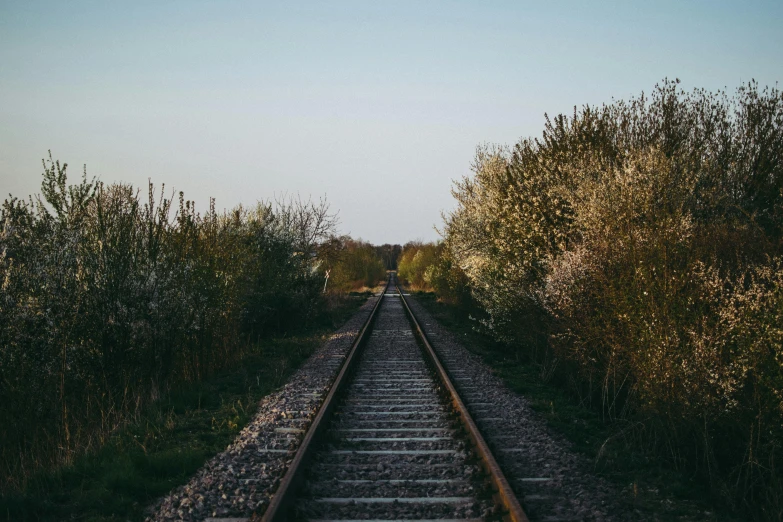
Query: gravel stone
pixel 393 440
pixel 551 481
pixel 241 480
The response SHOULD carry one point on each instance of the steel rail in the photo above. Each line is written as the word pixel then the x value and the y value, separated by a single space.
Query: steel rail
pixel 505 495
pixel 278 506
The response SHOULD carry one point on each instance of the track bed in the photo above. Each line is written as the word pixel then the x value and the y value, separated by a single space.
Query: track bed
pixel 394 448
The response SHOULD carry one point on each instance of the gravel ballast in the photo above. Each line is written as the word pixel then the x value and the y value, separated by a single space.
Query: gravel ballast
pixel 241 480
pixel 551 482
pixel 393 450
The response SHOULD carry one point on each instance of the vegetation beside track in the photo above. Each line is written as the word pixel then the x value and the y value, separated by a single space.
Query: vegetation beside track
pixel 647 484
pixel 169 440
pixel 635 251
pixel 110 300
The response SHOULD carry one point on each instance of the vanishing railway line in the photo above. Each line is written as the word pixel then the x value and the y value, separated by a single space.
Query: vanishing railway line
pixel 393 439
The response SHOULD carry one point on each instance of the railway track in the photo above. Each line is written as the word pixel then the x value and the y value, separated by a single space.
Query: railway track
pixel 393 439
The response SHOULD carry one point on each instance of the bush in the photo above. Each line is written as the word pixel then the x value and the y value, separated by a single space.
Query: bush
pixel 352 264
pixel 638 245
pixel 106 300
pixel 414 262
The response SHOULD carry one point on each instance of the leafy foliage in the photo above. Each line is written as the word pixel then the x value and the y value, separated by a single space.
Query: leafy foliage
pixel 352 264
pixel 429 266
pixel 108 300
pixel 635 250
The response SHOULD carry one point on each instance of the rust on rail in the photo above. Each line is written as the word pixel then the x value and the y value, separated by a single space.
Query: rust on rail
pixel 505 494
pixel 280 503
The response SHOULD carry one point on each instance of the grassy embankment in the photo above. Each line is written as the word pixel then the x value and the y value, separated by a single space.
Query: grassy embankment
pixel 646 484
pixel 173 437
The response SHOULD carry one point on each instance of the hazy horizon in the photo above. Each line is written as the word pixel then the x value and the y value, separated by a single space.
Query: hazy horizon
pixel 376 107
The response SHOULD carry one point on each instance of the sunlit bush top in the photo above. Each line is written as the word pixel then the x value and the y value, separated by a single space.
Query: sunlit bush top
pixel 637 245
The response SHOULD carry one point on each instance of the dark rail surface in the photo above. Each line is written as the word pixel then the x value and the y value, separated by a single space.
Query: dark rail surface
pixel 393 438
pixel 278 506
pixel 505 494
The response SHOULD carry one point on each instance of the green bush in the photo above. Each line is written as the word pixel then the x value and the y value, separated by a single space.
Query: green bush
pixel 430 267
pixel 107 299
pixel 637 245
pixel 414 262
pixel 353 265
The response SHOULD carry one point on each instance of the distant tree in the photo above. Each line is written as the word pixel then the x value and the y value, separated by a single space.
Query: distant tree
pixel 389 254
pixel 353 264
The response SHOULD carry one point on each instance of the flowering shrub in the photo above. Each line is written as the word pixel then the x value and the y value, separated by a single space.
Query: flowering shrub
pixel 639 243
pixel 106 299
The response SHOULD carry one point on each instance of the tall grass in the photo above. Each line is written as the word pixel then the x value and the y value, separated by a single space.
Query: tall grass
pixel 635 250
pixel 107 298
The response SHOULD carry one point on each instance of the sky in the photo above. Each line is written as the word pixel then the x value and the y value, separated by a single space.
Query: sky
pixel 377 106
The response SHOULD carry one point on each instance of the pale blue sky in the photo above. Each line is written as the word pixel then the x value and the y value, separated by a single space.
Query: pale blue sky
pixel 378 105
